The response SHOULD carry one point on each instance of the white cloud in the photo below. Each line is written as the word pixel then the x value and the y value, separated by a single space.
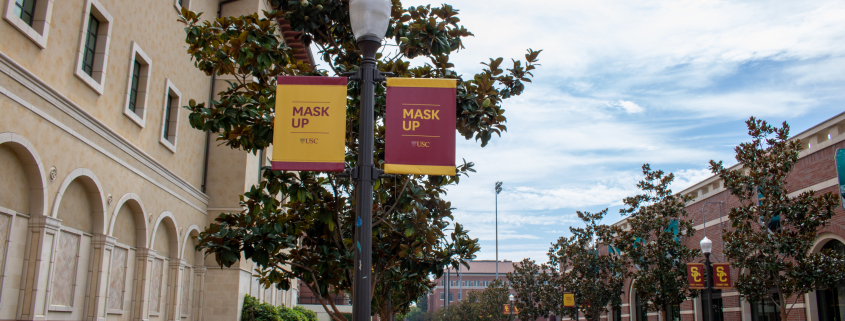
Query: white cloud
pixel 630 107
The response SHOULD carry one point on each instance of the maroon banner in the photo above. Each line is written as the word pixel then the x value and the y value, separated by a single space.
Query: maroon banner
pixel 420 126
pixel 721 276
pixel 696 276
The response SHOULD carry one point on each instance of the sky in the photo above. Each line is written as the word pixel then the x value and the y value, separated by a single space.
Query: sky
pixel 624 83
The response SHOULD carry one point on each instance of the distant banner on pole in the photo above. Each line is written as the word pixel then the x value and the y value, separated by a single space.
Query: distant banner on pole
pixel 310 126
pixel 568 300
pixel 721 276
pixel 506 309
pixel 840 172
pixel 420 126
pixel 695 276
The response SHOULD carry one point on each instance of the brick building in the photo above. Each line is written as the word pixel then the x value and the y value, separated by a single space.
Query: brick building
pixel 816 171
pixel 461 282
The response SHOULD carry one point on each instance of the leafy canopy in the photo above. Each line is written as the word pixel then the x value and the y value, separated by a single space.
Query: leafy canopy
pixel 655 241
pixel 576 265
pixel 300 225
pixel 772 234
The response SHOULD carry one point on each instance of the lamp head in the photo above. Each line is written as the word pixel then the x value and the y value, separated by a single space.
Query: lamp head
pixel 706 245
pixel 369 18
pixel 498 187
pixel 510 297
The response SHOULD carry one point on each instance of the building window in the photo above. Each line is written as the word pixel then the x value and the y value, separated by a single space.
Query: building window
pixel 442 295
pixel 674 312
pixel 831 299
pixel 133 90
pixel 766 310
pixel 137 85
pixel 179 4
pixel 639 309
pixel 617 314
pixel 31 18
pixel 90 45
pixel 25 9
pixel 92 58
pixel 451 298
pixel 170 116
pixel 718 314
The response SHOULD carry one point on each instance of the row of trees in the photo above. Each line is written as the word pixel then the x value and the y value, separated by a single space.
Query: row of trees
pixel 299 225
pixel 483 305
pixel 769 240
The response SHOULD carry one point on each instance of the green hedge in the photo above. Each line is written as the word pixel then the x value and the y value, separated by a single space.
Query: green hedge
pixel 259 311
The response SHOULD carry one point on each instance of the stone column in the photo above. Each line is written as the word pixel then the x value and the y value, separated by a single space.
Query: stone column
pixel 98 275
pixel 43 235
pixel 143 268
pixel 177 269
pixel 199 285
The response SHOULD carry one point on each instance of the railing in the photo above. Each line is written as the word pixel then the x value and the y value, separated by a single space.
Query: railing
pixel 314 300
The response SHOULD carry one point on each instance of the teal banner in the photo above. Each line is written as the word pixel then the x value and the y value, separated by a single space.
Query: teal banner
pixel 840 172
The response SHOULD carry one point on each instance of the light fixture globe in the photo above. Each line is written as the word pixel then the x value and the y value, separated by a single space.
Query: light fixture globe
pixel 510 297
pixel 369 18
pixel 706 245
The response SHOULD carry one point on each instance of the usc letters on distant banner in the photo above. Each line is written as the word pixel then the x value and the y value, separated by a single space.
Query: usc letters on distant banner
pixel 310 124
pixel 420 126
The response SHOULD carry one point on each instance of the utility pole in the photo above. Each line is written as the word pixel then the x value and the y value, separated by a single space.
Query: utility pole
pixel 498 190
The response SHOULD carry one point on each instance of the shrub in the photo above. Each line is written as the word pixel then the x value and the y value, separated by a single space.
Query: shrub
pixel 255 310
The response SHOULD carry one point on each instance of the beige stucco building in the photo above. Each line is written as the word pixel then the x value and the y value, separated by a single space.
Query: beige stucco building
pixel 102 181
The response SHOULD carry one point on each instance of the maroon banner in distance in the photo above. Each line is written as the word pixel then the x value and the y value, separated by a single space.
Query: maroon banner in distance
pixel 696 276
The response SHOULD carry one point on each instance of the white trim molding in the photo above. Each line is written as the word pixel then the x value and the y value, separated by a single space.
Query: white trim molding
pixel 40 28
pixel 97 79
pixel 145 64
pixel 51 95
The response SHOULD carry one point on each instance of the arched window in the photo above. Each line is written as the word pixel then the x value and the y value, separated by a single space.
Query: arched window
pixel 766 310
pixel 640 308
pixel 831 300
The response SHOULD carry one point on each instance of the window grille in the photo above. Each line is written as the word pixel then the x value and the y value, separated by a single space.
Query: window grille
pixel 90 45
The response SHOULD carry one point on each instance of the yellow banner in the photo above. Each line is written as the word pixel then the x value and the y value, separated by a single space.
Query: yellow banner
pixel 310 124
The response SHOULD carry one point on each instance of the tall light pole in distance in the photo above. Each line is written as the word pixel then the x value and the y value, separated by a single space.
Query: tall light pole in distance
pixel 498 190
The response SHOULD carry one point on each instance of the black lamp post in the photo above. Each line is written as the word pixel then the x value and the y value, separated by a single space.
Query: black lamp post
pixel 498 190
pixel 706 247
pixel 369 20
pixel 510 298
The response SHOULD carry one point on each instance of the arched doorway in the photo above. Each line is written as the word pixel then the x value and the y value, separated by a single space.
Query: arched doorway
pixel 830 301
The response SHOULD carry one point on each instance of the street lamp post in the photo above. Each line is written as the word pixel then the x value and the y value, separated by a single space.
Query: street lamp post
pixel 706 247
pixel 498 190
pixel 369 20
pixel 510 298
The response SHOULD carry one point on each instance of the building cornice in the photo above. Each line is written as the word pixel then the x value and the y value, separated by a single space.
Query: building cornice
pixel 51 95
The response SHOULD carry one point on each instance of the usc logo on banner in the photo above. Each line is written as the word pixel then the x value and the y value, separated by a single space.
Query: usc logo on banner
pixel 722 273
pixel 695 276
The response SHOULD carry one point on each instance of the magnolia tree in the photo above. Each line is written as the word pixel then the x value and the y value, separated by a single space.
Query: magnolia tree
pixel 655 242
pixel 577 266
pixel 529 284
pixel 299 225
pixel 771 235
pixel 477 306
